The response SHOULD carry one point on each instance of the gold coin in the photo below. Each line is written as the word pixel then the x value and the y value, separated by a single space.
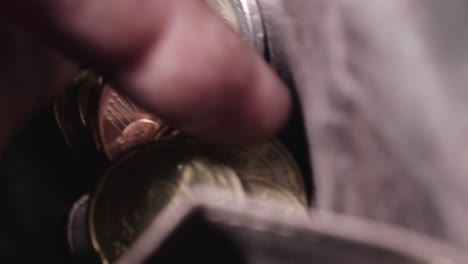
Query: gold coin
pixel 142 184
pixel 147 181
pixel 266 164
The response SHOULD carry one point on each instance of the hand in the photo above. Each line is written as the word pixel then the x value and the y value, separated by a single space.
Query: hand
pixel 176 58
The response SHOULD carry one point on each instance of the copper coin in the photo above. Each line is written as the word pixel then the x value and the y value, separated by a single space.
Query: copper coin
pixel 123 125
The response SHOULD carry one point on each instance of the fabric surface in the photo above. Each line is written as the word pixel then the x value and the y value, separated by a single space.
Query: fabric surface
pixel 383 86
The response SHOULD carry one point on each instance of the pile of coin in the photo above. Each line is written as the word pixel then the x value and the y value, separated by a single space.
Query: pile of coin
pixel 150 164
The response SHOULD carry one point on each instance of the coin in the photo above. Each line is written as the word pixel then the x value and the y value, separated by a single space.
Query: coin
pixel 245 17
pixel 124 125
pixel 78 238
pixel 76 114
pixel 140 185
pixel 148 180
pixel 265 164
pixel 88 103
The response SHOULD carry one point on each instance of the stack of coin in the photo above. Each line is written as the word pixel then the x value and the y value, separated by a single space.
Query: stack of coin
pixel 149 171
pixel 152 165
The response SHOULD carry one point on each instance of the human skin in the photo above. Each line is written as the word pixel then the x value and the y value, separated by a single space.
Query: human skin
pixel 175 58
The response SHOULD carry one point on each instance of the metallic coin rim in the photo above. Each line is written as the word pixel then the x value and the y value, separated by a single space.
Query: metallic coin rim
pixel 274 40
pixel 250 23
pixel 61 102
pixel 92 125
pixel 91 227
pixel 72 218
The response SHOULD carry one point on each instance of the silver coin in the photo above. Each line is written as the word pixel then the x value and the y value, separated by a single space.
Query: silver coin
pixel 245 17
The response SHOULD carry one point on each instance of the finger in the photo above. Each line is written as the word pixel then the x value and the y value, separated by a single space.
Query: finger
pixel 176 58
